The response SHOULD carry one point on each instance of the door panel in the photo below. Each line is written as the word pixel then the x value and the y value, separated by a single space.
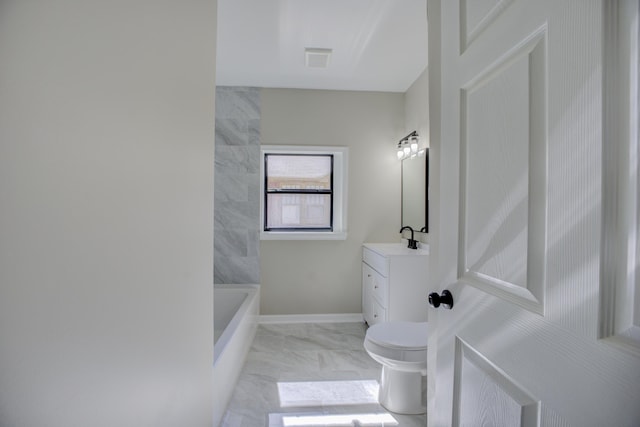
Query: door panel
pixel 519 236
pixel 620 287
pixel 475 16
pixel 503 207
pixel 484 395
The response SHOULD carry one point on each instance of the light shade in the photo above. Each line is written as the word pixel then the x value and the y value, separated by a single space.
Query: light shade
pixel 408 146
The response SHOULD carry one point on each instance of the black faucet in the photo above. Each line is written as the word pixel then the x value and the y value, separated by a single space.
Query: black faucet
pixel 413 244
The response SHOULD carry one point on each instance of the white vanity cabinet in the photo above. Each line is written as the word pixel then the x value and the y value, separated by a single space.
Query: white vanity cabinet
pixel 394 283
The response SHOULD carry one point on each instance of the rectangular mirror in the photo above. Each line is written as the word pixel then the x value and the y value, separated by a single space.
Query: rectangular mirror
pixel 415 188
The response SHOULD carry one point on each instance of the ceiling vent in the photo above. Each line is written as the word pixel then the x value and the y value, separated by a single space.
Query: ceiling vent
pixel 317 58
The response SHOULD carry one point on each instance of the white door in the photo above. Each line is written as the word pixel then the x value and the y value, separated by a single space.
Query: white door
pixel 535 213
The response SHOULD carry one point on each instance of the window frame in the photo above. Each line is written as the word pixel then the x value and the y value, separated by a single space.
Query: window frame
pixel 298 191
pixel 338 220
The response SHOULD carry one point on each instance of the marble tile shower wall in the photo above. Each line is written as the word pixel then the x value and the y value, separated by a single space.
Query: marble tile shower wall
pixel 237 186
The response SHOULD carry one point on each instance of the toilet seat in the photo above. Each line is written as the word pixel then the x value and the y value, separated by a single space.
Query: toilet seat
pixel 398 342
pixel 399 335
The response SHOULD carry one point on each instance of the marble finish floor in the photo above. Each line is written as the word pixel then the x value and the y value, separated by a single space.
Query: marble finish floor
pixel 310 374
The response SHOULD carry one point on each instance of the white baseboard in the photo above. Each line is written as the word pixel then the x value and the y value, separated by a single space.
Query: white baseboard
pixel 311 318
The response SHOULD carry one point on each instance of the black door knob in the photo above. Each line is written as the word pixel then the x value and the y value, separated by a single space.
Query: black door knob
pixel 434 299
pixel 446 299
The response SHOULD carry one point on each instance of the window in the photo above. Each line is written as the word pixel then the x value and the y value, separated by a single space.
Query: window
pixel 303 193
pixel 298 192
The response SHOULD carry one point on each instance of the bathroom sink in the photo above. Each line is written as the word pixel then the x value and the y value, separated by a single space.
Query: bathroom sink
pixel 391 249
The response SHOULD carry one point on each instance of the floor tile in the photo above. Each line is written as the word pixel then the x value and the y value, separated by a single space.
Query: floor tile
pixel 310 374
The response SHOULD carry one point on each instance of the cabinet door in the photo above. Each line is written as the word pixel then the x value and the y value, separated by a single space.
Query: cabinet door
pixel 374 292
pixel 367 298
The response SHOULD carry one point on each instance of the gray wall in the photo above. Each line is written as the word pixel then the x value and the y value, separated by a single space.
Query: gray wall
pixel 306 277
pixel 106 212
pixel 237 182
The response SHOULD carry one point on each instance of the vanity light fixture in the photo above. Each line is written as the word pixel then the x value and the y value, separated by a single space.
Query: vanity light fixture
pixel 408 146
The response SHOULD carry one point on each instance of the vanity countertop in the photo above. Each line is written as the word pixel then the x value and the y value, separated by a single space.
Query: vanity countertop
pixel 397 249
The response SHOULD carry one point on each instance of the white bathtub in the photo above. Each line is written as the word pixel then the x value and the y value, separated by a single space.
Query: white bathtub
pixel 235 320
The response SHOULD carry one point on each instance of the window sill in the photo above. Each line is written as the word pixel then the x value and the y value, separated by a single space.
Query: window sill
pixel 297 235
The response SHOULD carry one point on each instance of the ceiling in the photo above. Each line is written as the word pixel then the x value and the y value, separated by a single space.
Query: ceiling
pixel 378 45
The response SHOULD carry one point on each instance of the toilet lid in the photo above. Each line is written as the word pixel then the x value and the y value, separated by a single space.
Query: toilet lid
pixel 400 335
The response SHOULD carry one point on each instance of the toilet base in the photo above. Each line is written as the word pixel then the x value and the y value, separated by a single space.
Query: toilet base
pixel 401 391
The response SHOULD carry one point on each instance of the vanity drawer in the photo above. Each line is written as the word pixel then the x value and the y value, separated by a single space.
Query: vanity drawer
pixel 376 284
pixel 379 313
pixel 378 262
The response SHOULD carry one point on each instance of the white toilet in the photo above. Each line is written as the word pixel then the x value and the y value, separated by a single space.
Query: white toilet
pixel 401 348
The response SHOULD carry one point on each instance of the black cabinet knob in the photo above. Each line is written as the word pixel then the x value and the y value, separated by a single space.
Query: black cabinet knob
pixel 445 299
